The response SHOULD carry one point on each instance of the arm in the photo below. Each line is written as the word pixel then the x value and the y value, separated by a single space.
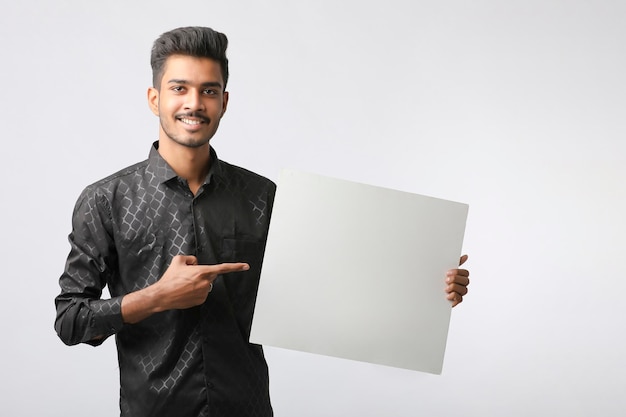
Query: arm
pixel 184 284
pixel 82 316
pixel 457 281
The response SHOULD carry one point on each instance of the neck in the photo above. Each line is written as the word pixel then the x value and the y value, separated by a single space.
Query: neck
pixel 189 163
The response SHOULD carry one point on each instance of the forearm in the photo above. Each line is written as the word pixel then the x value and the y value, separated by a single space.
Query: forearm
pixel 183 285
pixel 139 305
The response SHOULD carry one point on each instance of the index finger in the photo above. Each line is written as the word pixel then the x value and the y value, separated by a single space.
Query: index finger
pixel 224 268
pixel 455 272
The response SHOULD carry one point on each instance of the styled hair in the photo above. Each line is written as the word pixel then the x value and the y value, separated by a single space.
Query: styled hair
pixel 196 41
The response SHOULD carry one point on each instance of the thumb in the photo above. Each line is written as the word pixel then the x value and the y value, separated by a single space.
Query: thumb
pixel 463 259
pixel 187 259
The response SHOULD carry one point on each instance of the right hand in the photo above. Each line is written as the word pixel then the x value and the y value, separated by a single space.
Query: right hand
pixel 186 284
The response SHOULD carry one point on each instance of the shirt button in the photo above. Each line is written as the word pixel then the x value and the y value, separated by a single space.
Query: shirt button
pixel 210 385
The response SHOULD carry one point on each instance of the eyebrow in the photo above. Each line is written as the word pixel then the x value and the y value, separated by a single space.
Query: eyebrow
pixel 205 84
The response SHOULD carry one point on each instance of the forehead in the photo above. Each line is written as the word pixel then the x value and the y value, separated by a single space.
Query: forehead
pixel 192 69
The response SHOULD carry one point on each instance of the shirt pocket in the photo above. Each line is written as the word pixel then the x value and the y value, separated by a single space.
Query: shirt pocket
pixel 242 286
pixel 238 249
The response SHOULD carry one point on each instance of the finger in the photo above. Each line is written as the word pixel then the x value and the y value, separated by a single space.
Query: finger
pixel 455 299
pixel 232 267
pixel 455 272
pixel 463 259
pixel 186 259
pixel 224 268
pixel 458 279
pixel 456 288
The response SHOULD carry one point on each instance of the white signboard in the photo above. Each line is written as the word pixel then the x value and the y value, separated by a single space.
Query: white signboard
pixel 356 271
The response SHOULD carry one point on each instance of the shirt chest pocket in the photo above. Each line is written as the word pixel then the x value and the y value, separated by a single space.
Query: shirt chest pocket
pixel 242 286
pixel 242 250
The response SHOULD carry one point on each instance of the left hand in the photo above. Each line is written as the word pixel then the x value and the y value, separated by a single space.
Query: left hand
pixel 457 281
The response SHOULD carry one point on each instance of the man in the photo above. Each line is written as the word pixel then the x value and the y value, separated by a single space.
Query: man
pixel 169 236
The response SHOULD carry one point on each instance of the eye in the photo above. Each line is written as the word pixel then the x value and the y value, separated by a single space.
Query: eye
pixel 209 91
pixel 178 89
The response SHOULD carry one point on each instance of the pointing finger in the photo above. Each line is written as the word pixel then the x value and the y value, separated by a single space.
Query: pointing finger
pixel 224 268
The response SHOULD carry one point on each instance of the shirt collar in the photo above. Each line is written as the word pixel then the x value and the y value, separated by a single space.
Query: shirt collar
pixel 162 172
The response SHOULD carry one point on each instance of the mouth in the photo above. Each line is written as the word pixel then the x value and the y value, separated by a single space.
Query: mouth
pixel 192 120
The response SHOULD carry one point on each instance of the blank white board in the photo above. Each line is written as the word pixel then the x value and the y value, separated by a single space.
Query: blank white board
pixel 357 272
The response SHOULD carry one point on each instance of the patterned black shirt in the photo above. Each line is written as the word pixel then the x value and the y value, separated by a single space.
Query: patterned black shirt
pixel 126 230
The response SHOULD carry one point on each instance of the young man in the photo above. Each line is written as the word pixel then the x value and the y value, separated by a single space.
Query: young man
pixel 179 241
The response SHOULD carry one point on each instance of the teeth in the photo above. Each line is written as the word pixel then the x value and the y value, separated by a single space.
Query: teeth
pixel 190 122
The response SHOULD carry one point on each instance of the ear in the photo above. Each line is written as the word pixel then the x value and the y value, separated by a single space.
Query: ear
pixel 153 100
pixel 225 103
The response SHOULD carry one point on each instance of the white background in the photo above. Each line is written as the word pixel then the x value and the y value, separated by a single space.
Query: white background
pixel 514 107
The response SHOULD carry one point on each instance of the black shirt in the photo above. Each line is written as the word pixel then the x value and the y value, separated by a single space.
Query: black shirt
pixel 126 230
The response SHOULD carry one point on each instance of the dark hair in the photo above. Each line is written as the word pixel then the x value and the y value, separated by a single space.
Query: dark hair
pixel 196 41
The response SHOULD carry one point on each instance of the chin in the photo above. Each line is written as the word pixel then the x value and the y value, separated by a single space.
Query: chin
pixel 189 142
pixel 195 144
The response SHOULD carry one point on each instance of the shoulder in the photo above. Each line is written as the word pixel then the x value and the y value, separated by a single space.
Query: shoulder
pixel 108 187
pixel 246 178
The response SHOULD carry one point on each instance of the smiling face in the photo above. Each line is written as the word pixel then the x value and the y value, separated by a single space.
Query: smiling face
pixel 190 101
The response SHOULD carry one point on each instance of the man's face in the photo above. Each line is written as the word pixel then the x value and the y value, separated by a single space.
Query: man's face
pixel 191 100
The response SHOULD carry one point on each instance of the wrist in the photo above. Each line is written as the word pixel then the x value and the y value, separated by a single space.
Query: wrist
pixel 141 304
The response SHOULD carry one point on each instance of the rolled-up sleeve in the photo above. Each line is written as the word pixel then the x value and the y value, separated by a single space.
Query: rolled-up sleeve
pixel 81 315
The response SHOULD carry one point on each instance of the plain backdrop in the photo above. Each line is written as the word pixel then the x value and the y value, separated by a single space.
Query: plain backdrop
pixel 515 107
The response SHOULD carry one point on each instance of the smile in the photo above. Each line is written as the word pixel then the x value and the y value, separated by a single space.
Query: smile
pixel 191 122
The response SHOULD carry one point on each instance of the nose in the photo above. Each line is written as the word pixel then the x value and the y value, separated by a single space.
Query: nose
pixel 194 101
